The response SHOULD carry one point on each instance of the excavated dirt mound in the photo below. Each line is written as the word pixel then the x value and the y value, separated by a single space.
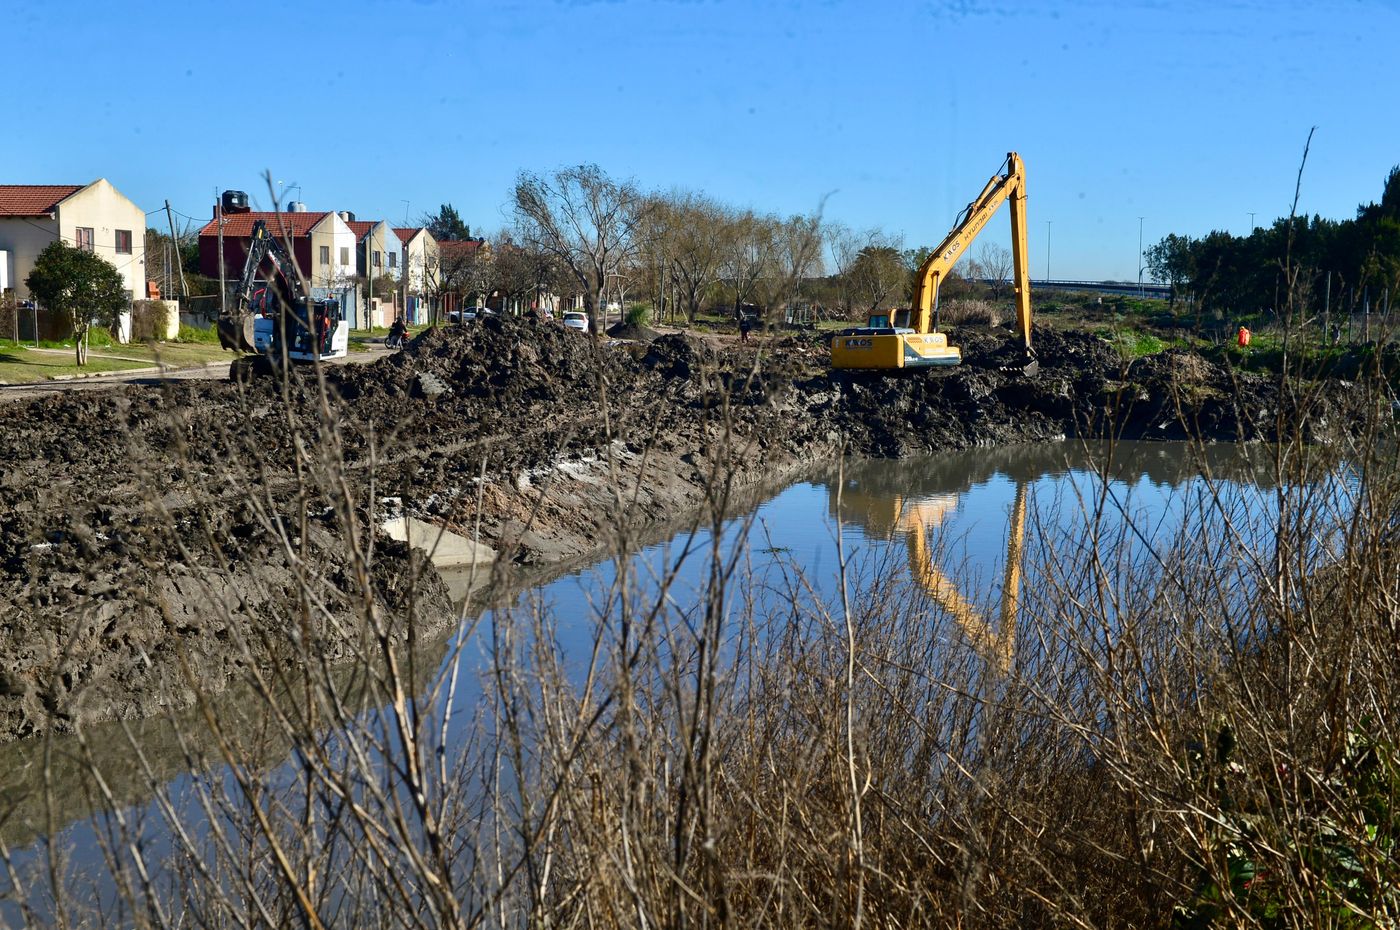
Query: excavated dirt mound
pixel 136 524
pixel 632 331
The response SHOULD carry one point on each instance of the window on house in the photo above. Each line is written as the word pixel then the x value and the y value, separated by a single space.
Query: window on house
pixel 393 259
pixel 123 242
pixel 344 255
pixel 83 238
pixel 325 255
pixel 376 258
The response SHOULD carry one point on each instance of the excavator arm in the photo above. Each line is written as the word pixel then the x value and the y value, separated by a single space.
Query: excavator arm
pixel 1007 185
pixel 236 329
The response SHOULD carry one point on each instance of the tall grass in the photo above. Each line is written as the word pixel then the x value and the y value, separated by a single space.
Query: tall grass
pixel 1191 730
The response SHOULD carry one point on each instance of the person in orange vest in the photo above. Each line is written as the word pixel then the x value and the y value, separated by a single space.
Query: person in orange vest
pixel 1244 337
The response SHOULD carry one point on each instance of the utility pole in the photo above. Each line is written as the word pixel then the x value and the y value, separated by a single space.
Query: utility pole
pixel 223 289
pixel 1047 251
pixel 1251 224
pixel 369 266
pixel 1327 312
pixel 175 243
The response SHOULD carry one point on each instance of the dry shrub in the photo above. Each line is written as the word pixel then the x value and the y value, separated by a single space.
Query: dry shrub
pixel 150 320
pixel 1191 730
pixel 969 312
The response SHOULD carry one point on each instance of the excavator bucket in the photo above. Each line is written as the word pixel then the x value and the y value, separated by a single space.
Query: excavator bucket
pixel 1029 366
pixel 236 334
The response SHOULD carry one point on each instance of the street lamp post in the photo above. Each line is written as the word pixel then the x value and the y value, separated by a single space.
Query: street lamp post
pixel 1047 251
pixel 288 191
pixel 1140 219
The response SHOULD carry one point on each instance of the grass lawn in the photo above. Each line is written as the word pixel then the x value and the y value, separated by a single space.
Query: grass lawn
pixel 20 366
pixel 174 354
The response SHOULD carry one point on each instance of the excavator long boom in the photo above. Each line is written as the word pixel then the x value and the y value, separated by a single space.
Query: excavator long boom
pixel 1009 185
pixel 910 338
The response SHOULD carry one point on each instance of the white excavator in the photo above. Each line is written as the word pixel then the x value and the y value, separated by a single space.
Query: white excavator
pixel 278 319
pixel 910 338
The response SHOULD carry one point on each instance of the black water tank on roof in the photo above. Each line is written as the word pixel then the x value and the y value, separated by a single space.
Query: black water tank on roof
pixel 235 202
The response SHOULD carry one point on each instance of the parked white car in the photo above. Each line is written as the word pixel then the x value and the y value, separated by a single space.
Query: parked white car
pixel 576 319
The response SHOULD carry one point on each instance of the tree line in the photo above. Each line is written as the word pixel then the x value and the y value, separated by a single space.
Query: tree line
pixel 579 231
pixel 1298 265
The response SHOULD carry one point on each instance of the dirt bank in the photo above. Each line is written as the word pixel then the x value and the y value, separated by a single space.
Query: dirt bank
pixel 143 532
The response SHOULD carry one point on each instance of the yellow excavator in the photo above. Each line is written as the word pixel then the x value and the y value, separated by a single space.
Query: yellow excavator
pixel 891 344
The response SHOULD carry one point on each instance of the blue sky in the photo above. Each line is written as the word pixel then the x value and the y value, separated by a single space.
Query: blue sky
pixel 1188 114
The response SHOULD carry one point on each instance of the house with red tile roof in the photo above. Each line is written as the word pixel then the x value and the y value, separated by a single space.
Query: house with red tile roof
pixel 377 261
pixel 418 270
pixel 95 216
pixel 322 244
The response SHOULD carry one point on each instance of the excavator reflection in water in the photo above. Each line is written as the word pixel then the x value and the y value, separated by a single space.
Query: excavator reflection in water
pixel 917 516
pixel 915 497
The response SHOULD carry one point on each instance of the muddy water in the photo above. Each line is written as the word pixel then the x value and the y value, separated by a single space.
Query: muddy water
pixel 945 520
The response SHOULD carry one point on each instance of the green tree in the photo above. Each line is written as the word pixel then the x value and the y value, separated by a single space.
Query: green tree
pixel 81 285
pixel 1171 260
pixel 447 225
pixel 877 275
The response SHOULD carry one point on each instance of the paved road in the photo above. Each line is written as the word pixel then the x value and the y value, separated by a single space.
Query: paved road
pixel 149 377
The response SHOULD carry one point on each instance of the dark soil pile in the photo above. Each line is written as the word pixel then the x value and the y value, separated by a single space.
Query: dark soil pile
pixel 632 331
pixel 126 513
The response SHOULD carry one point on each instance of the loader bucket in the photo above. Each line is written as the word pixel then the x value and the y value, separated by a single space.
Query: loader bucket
pixel 236 335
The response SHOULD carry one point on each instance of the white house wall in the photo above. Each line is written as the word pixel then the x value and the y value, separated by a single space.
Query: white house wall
pixel 332 231
pixel 100 207
pixel 24 238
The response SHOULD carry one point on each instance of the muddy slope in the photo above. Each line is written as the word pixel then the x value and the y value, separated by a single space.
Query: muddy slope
pixel 145 533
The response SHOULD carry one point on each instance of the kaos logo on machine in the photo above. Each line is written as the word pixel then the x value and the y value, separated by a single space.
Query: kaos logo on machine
pixel 858 343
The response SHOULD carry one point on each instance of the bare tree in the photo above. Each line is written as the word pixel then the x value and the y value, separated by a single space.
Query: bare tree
pixel 458 269
pixel 995 263
pixel 748 255
pixel 586 220
pixel 843 244
pixel 797 254
pixel 693 231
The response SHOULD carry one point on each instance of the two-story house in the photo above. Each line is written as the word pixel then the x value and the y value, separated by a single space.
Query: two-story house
pixel 419 262
pixel 322 244
pixel 377 257
pixel 95 216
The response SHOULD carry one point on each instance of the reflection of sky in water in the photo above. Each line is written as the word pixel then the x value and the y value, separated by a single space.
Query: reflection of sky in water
pixel 1153 502
pixel 963 498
